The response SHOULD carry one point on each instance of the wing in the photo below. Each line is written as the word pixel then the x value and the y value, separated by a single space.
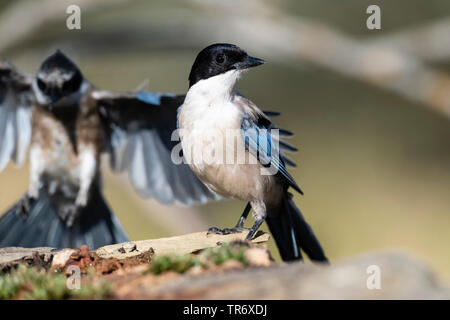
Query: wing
pixel 283 144
pixel 263 118
pixel 261 142
pixel 138 129
pixel 16 102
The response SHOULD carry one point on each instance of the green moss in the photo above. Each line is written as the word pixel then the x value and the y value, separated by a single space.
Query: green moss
pixel 219 255
pixel 177 263
pixel 31 283
pixel 182 263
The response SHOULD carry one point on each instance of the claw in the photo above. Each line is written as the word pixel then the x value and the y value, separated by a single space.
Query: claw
pixel 214 230
pixel 69 213
pixel 226 231
pixel 23 206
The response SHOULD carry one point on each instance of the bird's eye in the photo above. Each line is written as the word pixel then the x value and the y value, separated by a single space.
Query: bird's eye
pixel 41 85
pixel 220 58
pixel 72 85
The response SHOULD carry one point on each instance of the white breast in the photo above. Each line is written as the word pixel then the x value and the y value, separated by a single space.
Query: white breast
pixel 207 119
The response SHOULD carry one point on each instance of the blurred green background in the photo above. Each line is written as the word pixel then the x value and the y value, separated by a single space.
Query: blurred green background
pixel 374 165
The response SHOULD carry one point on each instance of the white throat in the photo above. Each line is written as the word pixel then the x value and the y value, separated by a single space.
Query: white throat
pixel 209 103
pixel 215 89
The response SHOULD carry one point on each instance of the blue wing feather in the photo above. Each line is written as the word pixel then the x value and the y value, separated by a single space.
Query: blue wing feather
pixel 260 143
pixel 152 97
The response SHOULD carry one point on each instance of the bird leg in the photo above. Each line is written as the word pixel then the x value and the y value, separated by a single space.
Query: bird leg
pixel 88 169
pixel 254 228
pixel 243 217
pixel 36 169
pixel 69 213
pixel 259 213
pixel 239 225
pixel 37 166
pixel 24 205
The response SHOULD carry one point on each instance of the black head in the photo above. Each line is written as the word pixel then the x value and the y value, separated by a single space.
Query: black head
pixel 9 77
pixel 219 58
pixel 5 71
pixel 58 77
pixel 5 68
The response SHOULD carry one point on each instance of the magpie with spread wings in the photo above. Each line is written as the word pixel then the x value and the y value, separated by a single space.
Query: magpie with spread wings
pixel 66 123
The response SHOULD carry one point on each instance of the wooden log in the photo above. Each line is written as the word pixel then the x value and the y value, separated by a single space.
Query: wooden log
pixel 187 243
pixel 183 244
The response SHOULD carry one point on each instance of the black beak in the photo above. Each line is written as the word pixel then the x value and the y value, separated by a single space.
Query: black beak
pixel 54 95
pixel 249 62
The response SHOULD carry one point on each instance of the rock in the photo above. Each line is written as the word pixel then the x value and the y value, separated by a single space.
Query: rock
pixel 231 265
pixel 61 257
pixel 258 257
pixel 15 253
pixel 402 277
pixel 125 266
pixel 12 256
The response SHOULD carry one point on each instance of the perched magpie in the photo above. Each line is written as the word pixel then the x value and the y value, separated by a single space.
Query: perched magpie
pixel 211 111
pixel 68 123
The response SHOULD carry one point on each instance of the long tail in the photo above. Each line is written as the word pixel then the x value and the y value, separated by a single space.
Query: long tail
pixel 97 226
pixel 293 234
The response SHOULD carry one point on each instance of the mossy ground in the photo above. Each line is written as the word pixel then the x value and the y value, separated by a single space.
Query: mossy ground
pixel 103 278
pixel 208 257
pixel 38 284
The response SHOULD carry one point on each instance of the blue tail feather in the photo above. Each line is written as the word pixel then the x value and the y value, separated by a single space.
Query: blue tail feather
pixel 96 227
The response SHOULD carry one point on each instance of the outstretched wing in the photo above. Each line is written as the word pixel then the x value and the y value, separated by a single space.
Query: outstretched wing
pixel 16 102
pixel 265 144
pixel 139 128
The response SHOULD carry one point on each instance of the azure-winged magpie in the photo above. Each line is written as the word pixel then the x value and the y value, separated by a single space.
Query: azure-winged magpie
pixel 67 123
pixel 211 112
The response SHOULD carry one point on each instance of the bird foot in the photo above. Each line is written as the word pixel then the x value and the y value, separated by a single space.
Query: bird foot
pixel 226 231
pixel 69 213
pixel 23 206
